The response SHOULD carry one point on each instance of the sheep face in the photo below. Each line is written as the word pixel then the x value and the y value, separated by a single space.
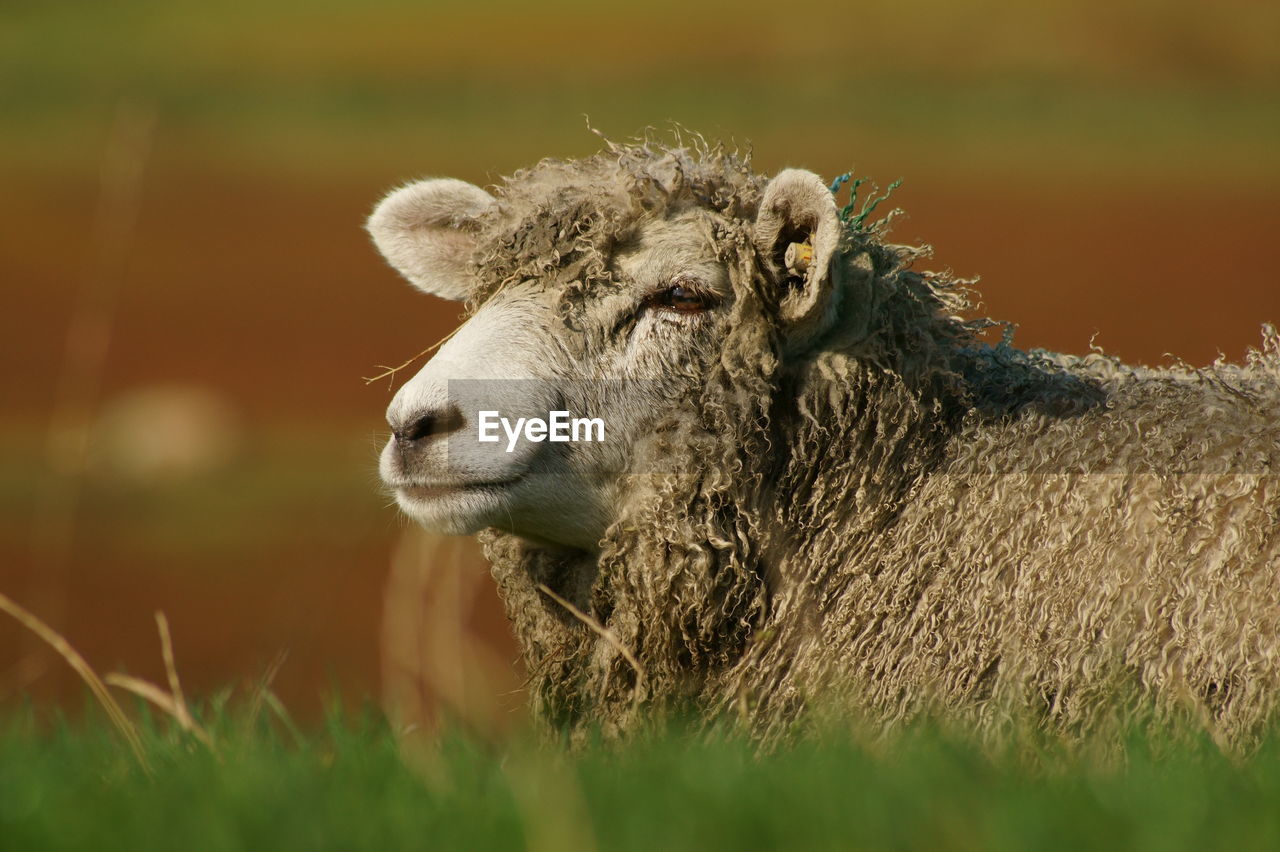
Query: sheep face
pixel 559 389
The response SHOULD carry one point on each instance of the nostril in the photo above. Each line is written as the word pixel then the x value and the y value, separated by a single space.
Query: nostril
pixel 433 423
pixel 420 428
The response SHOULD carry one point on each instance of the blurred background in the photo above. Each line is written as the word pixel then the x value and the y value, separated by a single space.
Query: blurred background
pixel 190 303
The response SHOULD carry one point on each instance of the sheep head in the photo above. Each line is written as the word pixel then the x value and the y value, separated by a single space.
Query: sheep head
pixel 647 292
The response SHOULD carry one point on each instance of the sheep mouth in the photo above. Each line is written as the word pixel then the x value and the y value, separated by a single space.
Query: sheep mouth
pixel 438 490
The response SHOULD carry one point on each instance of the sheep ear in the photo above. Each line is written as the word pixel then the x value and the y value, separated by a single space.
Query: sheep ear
pixel 798 235
pixel 426 231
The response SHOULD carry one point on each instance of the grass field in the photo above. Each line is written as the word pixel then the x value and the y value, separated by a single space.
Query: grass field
pixel 344 785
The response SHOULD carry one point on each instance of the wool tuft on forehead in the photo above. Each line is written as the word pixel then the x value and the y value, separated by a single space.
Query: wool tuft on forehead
pixel 560 220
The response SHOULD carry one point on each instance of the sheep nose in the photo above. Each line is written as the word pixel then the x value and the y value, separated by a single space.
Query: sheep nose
pixel 423 427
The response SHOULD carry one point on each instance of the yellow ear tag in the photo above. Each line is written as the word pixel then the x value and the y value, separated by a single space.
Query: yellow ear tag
pixel 798 258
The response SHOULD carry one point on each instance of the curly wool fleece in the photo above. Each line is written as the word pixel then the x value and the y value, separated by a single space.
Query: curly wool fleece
pixel 898 518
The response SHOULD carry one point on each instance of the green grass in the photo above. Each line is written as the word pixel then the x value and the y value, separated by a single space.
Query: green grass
pixel 346 786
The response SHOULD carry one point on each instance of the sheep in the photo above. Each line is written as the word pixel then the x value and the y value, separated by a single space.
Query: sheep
pixel 822 486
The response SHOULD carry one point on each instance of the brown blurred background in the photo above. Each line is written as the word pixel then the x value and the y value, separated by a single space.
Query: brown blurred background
pixel 190 303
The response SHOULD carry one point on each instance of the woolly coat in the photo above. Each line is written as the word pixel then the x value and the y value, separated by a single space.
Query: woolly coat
pixel 898 517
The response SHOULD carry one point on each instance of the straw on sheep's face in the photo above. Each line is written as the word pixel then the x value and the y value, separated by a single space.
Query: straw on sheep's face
pixel 635 351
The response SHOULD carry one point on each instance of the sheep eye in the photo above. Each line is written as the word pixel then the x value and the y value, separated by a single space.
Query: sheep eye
pixel 681 298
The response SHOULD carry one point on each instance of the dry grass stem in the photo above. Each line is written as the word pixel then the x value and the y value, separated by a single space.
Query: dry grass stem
pixel 87 343
pixel 277 707
pixel 171 670
pixel 435 664
pixel 264 686
pixel 605 633
pixel 161 699
pixel 391 371
pixel 55 641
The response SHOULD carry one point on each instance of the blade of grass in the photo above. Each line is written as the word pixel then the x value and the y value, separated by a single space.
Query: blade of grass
pixel 59 644
pixel 603 632
pixel 161 699
pixel 263 687
pixel 277 707
pixel 182 713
